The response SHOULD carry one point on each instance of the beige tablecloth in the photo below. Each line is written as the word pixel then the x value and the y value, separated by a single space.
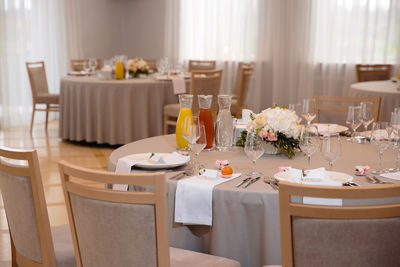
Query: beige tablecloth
pixel 112 111
pixel 387 90
pixel 245 221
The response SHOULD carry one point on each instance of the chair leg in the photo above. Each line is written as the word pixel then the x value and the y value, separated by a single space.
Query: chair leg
pixel 33 116
pixel 165 125
pixel 47 115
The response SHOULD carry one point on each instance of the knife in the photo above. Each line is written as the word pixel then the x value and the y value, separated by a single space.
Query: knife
pixel 243 181
pixel 252 181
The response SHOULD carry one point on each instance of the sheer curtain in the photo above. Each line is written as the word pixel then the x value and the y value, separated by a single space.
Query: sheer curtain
pixel 30 30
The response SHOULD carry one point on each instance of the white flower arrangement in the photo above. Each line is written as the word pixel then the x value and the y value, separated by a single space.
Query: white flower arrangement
pixel 137 66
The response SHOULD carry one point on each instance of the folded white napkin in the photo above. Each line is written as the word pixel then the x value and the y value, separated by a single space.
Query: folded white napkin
pixel 179 85
pixel 316 177
pixel 193 197
pixel 391 175
pixel 246 115
pixel 326 128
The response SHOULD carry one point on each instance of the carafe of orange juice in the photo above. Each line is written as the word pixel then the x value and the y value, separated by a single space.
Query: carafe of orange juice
pixel 119 70
pixel 185 102
pixel 205 117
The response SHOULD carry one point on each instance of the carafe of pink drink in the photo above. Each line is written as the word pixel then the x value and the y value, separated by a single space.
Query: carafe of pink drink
pixel 205 117
pixel 185 102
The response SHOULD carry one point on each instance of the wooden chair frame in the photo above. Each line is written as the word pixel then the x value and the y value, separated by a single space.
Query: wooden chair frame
pixel 377 68
pixel 290 209
pixel 201 65
pixel 75 62
pixel 49 107
pixel 33 172
pixel 156 198
pixel 152 62
pixel 245 73
pixel 343 108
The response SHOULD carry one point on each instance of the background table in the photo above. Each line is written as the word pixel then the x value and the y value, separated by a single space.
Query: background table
pixel 245 221
pixel 387 90
pixel 112 111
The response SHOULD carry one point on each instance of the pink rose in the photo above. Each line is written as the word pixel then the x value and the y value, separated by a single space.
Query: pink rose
pixel 219 164
pixel 263 133
pixel 362 169
pixel 272 137
pixel 284 169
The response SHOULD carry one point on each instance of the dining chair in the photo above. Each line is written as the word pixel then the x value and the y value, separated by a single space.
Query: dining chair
pixel 239 103
pixel 123 228
pixel 33 242
pixel 366 72
pixel 201 83
pixel 238 77
pixel 40 90
pixel 201 65
pixel 77 64
pixel 335 106
pixel 364 233
pixel 152 64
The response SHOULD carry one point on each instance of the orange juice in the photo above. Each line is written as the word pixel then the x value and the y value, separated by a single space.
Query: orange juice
pixel 183 113
pixel 119 70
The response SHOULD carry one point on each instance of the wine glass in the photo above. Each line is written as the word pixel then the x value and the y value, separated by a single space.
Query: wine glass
pixel 367 110
pixel 309 141
pixel 86 67
pixel 195 134
pixel 309 110
pixel 331 148
pixel 353 119
pixel 298 108
pixel 254 149
pixel 92 64
pixel 380 140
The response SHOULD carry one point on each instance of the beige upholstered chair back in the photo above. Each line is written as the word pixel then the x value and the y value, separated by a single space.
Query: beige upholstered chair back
pixel 116 228
pixel 238 76
pixel 333 109
pixel 206 83
pixel 37 78
pixel 246 76
pixel 152 64
pixel 77 64
pixel 373 72
pixel 364 233
pixel 201 65
pixel 22 191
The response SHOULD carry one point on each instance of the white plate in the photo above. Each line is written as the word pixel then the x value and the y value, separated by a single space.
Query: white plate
pixel 171 160
pixel 333 176
pixel 339 128
pixel 77 73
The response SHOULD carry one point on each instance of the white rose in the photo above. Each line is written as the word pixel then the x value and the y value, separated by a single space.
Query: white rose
pixel 260 120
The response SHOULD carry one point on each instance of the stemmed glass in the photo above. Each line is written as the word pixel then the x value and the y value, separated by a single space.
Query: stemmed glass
pixel 309 110
pixel 367 114
pixel 92 64
pixel 331 148
pixel 380 140
pixel 354 119
pixel 298 108
pixel 86 67
pixel 309 141
pixel 254 149
pixel 195 134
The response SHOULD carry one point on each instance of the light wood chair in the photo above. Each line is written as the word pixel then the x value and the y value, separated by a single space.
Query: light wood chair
pixel 152 64
pixel 40 90
pixel 33 242
pixel 339 105
pixel 365 234
pixel 367 72
pixel 123 228
pixel 238 77
pixel 200 65
pixel 239 103
pixel 202 83
pixel 77 64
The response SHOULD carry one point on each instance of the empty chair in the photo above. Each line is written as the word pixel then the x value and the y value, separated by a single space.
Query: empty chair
pixel 373 72
pixel 152 64
pixel 238 77
pixel 202 83
pixel 77 64
pixel 200 65
pixel 239 103
pixel 333 109
pixel 364 232
pixel 33 242
pixel 123 228
pixel 40 90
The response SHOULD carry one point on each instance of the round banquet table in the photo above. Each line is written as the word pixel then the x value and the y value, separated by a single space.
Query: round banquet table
pixel 387 90
pixel 245 221
pixel 112 111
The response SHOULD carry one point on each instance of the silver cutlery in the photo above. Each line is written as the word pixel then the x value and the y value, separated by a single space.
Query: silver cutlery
pixel 271 183
pixel 379 181
pixel 349 183
pixel 252 181
pixel 243 181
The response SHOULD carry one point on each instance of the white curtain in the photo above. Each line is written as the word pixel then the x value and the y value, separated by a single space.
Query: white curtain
pixel 30 30
pixel 301 47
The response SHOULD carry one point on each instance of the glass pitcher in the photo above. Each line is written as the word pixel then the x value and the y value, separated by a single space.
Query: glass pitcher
pixel 185 102
pixel 205 117
pixel 224 126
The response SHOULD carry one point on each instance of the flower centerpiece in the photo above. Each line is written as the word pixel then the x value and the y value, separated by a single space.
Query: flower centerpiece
pixel 136 67
pixel 278 127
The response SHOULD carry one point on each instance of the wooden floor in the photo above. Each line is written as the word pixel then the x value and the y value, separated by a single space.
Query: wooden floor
pixel 51 149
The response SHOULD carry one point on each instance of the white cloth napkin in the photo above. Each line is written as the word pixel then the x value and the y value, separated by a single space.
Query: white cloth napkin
pixel 179 85
pixel 193 197
pixel 316 177
pixel 326 128
pixel 391 175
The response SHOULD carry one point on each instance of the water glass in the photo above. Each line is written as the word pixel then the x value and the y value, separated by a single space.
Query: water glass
pixel 331 148
pixel 254 149
pixel 367 112
pixel 195 134
pixel 309 141
pixel 298 108
pixel 86 67
pixel 92 64
pixel 380 140
pixel 309 110
pixel 354 119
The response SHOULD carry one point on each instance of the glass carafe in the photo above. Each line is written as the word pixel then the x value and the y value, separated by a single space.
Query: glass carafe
pixel 185 102
pixel 224 126
pixel 205 117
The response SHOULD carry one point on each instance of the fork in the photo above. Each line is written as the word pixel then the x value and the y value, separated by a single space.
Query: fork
pixel 379 181
pixel 269 181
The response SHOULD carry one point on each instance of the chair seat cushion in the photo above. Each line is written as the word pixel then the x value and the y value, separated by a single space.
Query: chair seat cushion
pixel 63 246
pixel 171 110
pixel 183 258
pixel 47 99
